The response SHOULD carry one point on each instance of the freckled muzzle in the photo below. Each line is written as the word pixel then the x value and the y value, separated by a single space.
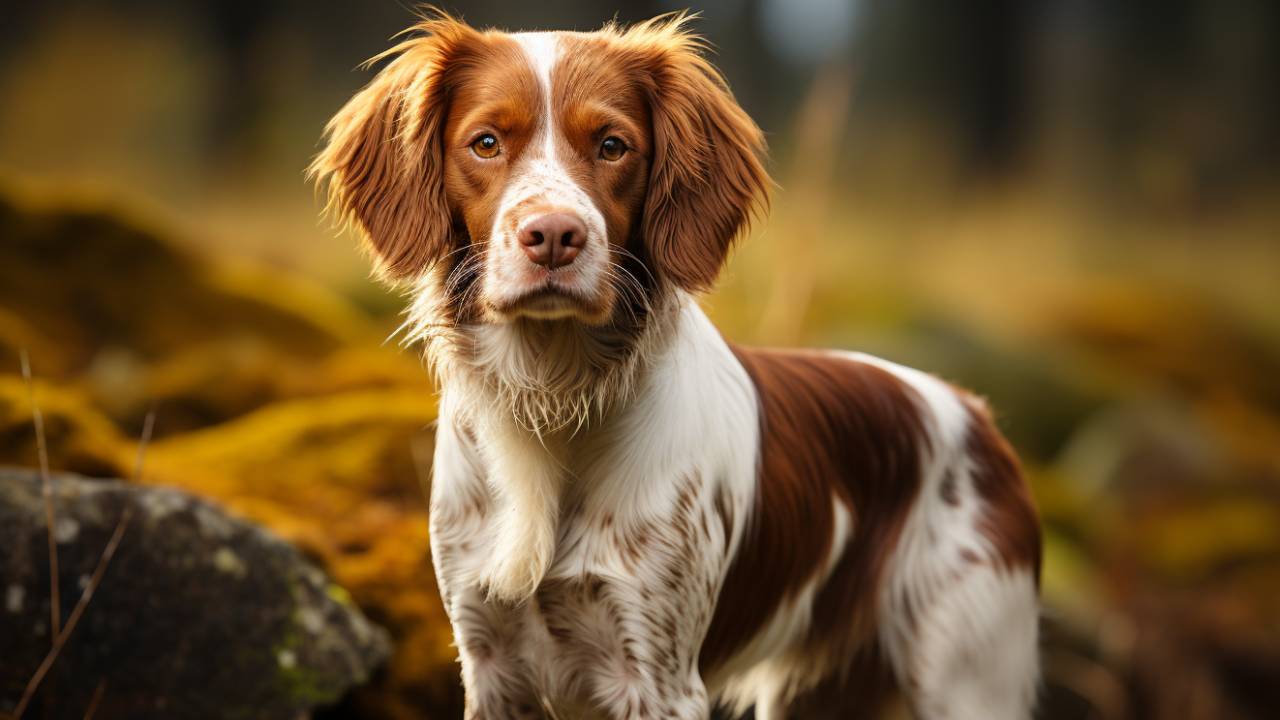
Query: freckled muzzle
pixel 549 254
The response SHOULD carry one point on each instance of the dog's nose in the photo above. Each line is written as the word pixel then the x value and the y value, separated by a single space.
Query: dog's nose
pixel 553 240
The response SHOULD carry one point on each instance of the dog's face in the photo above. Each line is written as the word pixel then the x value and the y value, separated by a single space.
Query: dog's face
pixel 546 162
pixel 546 175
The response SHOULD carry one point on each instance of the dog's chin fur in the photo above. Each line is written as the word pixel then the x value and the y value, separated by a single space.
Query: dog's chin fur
pixel 549 376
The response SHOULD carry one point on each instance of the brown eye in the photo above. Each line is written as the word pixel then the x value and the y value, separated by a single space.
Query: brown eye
pixel 612 148
pixel 486 146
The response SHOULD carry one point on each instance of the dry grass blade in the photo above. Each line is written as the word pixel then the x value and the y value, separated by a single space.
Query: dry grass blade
pixel 42 449
pixel 95 700
pixel 76 613
pixel 148 425
pixel 104 560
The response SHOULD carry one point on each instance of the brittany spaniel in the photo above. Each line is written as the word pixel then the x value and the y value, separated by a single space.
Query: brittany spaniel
pixel 630 516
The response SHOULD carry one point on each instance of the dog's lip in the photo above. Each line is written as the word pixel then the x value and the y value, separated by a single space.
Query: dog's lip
pixel 548 296
pixel 550 293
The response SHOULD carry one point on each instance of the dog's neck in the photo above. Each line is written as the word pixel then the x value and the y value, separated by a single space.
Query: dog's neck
pixel 549 378
pixel 543 403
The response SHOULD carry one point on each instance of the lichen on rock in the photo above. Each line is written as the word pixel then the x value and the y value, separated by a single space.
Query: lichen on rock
pixel 199 615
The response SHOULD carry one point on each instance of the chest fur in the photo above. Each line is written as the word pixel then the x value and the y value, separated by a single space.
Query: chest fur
pixel 631 588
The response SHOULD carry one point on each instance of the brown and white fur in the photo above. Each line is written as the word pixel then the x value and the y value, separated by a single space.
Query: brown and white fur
pixel 630 516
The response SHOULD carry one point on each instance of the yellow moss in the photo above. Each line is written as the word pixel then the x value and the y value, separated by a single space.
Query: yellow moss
pixel 79 438
pixel 119 284
pixel 16 335
pixel 293 297
pixel 1060 499
pixel 216 381
pixel 1249 433
pixel 1158 335
pixel 1186 543
pixel 1069 582
pixel 345 439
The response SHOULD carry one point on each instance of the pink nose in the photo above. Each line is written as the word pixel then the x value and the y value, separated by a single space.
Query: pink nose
pixel 553 240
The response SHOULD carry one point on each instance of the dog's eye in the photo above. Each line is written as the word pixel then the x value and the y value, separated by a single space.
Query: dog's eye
pixel 612 148
pixel 486 146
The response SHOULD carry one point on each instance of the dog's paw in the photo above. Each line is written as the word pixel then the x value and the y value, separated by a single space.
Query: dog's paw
pixel 517 567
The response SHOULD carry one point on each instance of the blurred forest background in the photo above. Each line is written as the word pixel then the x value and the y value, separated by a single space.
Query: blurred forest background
pixel 1072 206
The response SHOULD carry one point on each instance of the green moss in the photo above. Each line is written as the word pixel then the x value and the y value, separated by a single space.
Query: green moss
pixel 303 686
pixel 339 595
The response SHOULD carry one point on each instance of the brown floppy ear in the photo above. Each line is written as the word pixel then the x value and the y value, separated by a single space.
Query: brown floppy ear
pixel 707 178
pixel 382 163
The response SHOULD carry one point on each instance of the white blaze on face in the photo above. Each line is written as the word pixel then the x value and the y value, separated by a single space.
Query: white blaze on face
pixel 540 183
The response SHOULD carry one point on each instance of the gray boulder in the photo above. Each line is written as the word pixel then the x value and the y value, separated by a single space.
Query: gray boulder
pixel 199 614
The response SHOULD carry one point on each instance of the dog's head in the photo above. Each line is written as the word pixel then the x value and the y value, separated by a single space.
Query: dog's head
pixel 546 175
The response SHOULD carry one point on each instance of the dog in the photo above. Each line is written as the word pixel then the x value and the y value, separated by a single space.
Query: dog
pixel 630 516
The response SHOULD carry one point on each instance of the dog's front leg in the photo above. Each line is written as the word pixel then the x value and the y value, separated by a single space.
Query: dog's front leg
pixel 496 676
pixel 524 480
pixel 490 635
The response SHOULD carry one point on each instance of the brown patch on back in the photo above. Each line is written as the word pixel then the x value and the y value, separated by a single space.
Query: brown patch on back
pixel 831 428
pixel 1010 521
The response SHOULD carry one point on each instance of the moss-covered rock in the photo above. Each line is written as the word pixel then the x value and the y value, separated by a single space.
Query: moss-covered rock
pixel 199 615
pixel 340 476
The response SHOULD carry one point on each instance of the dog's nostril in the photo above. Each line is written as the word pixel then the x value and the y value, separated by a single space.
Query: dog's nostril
pixel 553 240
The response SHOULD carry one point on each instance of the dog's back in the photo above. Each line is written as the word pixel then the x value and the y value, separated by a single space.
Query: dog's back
pixel 892 522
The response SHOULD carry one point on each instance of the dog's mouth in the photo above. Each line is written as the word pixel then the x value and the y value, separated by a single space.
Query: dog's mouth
pixel 548 301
